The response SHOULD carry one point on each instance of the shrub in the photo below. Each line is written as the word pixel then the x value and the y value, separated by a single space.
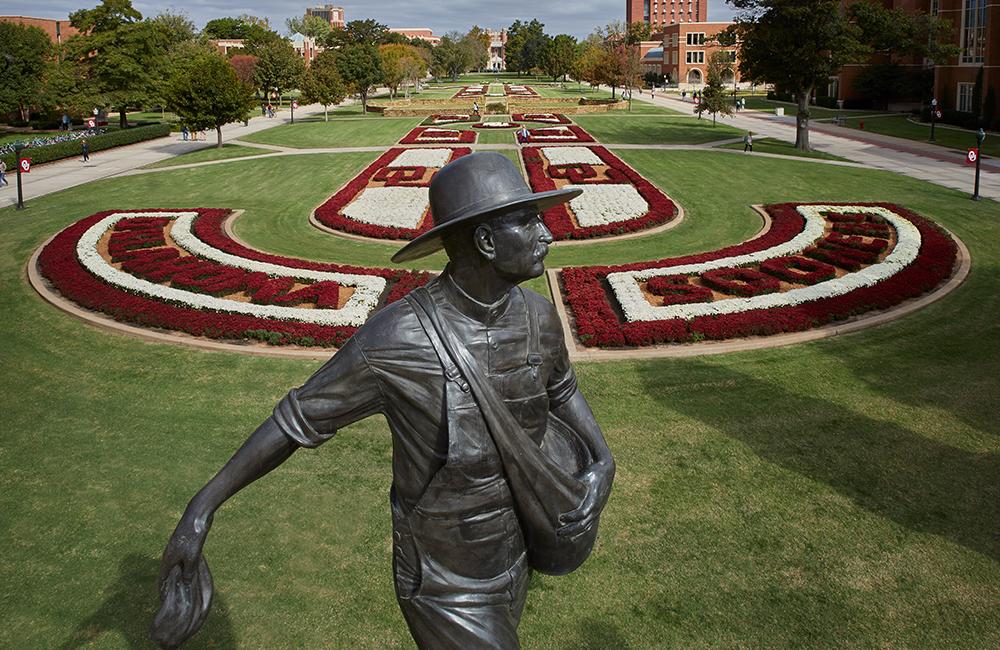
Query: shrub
pixel 60 150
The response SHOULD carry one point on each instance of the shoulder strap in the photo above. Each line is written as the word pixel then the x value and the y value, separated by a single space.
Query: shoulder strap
pixel 451 371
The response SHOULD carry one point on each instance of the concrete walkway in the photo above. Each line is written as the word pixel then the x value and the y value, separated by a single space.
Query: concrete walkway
pixel 70 172
pixel 920 160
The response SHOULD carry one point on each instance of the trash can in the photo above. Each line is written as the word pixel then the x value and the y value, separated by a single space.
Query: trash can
pixel 779 111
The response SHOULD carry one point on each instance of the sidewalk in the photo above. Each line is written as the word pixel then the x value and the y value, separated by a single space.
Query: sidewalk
pixel 924 161
pixel 70 172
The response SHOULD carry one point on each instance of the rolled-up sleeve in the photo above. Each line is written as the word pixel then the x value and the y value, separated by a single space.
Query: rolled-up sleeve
pixel 343 391
pixel 562 380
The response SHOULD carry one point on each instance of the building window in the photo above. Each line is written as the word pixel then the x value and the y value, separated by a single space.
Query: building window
pixel 973 31
pixel 696 38
pixel 965 97
pixel 645 10
pixel 696 56
pixel 935 7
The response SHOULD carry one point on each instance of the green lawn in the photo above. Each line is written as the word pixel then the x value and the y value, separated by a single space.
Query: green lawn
pixel 770 145
pixel 946 136
pixel 841 493
pixel 762 103
pixel 6 138
pixel 315 133
pixel 644 130
pixel 209 153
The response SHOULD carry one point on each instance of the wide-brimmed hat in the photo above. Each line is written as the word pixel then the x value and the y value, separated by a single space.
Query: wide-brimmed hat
pixel 473 188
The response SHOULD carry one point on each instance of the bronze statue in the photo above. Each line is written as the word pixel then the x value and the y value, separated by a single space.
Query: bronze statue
pixel 499 466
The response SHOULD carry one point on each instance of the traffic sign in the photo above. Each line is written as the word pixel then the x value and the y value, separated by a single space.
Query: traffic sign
pixel 91 123
pixel 971 156
pixel 26 165
pixel 937 114
pixel 295 104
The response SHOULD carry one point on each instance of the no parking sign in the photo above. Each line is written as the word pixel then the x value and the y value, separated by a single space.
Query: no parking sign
pixel 91 123
pixel 295 104
pixel 25 165
pixel 971 156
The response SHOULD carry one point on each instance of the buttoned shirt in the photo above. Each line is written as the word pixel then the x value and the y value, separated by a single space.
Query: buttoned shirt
pixel 389 366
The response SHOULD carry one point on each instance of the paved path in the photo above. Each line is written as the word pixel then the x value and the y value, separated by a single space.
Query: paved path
pixel 916 159
pixel 53 177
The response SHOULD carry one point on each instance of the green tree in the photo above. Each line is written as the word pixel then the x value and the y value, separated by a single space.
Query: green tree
pixel 278 67
pixel 476 45
pixel 322 83
pixel 449 58
pixel 526 46
pixel 23 55
pixel 559 56
pixel 361 69
pixel 312 27
pixel 400 63
pixel 243 28
pixel 714 97
pixel 176 28
pixel 206 93
pixel 358 32
pixel 125 57
pixel 796 45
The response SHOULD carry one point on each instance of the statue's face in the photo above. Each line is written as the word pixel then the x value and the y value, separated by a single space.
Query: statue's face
pixel 521 242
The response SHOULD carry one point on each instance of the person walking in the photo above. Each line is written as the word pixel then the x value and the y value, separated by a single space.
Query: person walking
pixel 185 133
pixel 748 142
pixel 475 107
pixel 86 151
pixel 3 174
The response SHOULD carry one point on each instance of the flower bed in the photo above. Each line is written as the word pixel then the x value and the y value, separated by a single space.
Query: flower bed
pixel 437 120
pixel 472 92
pixel 388 200
pixel 496 125
pixel 200 281
pixel 549 118
pixel 616 199
pixel 433 135
pixel 514 90
pixel 568 133
pixel 772 284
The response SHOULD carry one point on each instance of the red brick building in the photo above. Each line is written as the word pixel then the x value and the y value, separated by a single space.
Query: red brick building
pixel 417 32
pixel 329 13
pixel 684 53
pixel 660 13
pixel 58 30
pixel 976 29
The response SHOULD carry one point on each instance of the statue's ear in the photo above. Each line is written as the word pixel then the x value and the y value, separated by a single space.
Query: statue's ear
pixel 483 239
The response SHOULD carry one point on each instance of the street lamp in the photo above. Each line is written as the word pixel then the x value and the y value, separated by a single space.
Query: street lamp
pixel 18 148
pixel 979 149
pixel 933 115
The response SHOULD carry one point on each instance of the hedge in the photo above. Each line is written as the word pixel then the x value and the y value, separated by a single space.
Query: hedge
pixel 60 150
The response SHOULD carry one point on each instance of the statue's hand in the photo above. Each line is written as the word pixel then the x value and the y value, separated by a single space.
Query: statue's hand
pixel 576 521
pixel 185 585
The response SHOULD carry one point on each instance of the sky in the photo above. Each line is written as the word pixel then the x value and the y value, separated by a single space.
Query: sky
pixel 576 17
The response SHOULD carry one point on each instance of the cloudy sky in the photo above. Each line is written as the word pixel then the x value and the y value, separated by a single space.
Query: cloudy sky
pixel 576 17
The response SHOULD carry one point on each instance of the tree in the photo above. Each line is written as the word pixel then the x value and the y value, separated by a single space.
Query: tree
pixel 449 58
pixel 526 45
pixel 125 57
pixel 400 63
pixel 476 47
pixel 176 28
pixel 714 97
pixel 244 65
pixel 414 68
pixel 590 63
pixel 358 32
pixel 322 83
pixel 207 93
pixel 242 28
pixel 23 55
pixel 559 56
pixel 312 27
pixel 361 69
pixel 278 67
pixel 795 45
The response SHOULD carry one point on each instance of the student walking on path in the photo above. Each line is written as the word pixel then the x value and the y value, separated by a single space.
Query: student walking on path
pixel 748 142
pixel 86 151
pixel 3 174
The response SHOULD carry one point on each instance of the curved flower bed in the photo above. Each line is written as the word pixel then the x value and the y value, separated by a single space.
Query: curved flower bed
pixel 567 133
pixel 783 281
pixel 200 281
pixel 550 118
pixel 388 200
pixel 434 135
pixel 616 199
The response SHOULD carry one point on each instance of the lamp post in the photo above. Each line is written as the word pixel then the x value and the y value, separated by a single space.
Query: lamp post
pixel 18 148
pixel 933 115
pixel 979 149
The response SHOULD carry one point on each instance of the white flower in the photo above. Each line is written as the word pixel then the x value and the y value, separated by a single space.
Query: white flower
pixel 603 204
pixel 571 156
pixel 400 207
pixel 553 133
pixel 495 125
pixel 636 308
pixel 368 288
pixel 422 158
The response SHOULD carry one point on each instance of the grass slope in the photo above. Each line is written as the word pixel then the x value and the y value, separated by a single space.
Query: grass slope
pixel 643 130
pixel 316 133
pixel 772 145
pixel 946 136
pixel 208 153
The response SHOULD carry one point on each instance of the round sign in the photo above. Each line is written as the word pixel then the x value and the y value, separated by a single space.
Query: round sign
pixel 26 165
pixel 91 123
pixel 295 104
pixel 937 114
pixel 972 155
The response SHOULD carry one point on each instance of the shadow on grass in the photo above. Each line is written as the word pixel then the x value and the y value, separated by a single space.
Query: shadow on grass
pixel 887 469
pixel 596 634
pixel 130 604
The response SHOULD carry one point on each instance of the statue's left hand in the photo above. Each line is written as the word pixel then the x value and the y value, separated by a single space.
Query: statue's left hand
pixel 185 586
pixel 598 484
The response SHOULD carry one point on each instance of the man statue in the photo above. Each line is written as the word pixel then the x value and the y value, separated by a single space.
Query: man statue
pixel 498 466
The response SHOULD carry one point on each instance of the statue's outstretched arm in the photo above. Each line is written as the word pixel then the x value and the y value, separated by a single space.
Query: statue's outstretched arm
pixel 576 413
pixel 185 581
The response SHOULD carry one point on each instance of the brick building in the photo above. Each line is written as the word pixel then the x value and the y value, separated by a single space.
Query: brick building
pixel 976 29
pixel 660 13
pixel 498 49
pixel 57 30
pixel 329 13
pixel 683 54
pixel 417 32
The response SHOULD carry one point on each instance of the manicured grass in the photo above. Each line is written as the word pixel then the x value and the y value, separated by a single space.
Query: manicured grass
pixel 841 493
pixel 760 102
pixel 643 130
pixel 901 126
pixel 498 136
pixel 317 133
pixel 770 145
pixel 208 153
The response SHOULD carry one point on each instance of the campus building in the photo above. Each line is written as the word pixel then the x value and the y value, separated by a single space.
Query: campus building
pixel 683 54
pixel 57 30
pixel 976 30
pixel 329 13
pixel 498 49
pixel 660 13
pixel 417 32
